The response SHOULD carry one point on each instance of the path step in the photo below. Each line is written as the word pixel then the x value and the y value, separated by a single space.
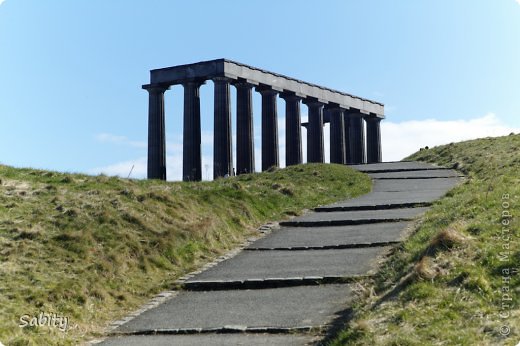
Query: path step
pixel 261 265
pixel 358 217
pixel 294 237
pixel 396 166
pixel 381 200
pixel 272 310
pixel 415 185
pixel 422 174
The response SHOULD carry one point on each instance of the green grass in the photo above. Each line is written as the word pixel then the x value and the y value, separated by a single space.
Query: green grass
pixel 445 284
pixel 95 248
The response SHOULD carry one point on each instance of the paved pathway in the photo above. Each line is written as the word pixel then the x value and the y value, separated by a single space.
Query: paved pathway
pixel 294 283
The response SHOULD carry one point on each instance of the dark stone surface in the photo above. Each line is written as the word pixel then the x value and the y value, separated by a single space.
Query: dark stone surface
pixel 211 339
pixel 245 133
pixel 293 136
pixel 373 139
pixel 287 237
pixel 280 307
pixel 222 145
pixel 191 163
pixel 348 152
pixel 289 264
pixel 269 128
pixel 337 136
pixel 315 151
pixel 356 138
pixel 156 134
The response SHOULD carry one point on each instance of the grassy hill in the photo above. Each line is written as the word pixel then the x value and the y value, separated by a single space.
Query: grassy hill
pixel 455 280
pixel 94 248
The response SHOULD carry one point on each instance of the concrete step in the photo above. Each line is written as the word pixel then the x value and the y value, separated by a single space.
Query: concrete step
pixel 357 217
pixel 279 310
pixel 399 166
pixel 418 174
pixel 415 185
pixel 382 200
pixel 330 237
pixel 375 206
pixel 277 265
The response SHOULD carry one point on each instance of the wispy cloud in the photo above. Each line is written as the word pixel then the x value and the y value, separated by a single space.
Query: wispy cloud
pixel 518 2
pixel 119 140
pixel 1 2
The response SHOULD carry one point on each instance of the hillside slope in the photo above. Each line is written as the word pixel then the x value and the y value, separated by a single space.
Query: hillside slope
pixel 455 280
pixel 94 248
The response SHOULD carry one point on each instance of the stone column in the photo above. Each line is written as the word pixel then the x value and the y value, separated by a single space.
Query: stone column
pixel 315 131
pixel 222 143
pixel 337 136
pixel 156 133
pixel 346 124
pixel 269 128
pixel 373 139
pixel 191 161
pixel 245 134
pixel 357 138
pixel 293 135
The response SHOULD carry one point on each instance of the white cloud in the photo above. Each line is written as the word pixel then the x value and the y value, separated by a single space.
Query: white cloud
pixel 119 140
pixel 402 139
pixel 137 168
pixel 518 2
pixel 1 2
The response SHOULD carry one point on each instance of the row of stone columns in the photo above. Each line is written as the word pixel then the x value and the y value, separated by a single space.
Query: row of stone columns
pixel 347 135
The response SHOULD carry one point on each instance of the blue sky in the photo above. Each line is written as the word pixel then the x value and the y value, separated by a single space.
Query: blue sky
pixel 71 71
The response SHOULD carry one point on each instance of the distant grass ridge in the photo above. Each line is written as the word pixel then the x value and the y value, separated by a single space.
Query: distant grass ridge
pixel 453 282
pixel 95 248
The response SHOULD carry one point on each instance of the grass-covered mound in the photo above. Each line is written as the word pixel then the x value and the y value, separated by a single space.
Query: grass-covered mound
pixel 94 248
pixel 455 280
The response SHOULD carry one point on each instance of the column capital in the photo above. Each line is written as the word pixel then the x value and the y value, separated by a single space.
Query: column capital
pixel 243 84
pixel 312 102
pixel 372 118
pixel 193 83
pixel 291 96
pixel 334 107
pixel 221 79
pixel 267 90
pixel 155 88
pixel 354 113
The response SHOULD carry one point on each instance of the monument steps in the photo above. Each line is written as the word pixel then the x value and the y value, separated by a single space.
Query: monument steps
pixel 298 280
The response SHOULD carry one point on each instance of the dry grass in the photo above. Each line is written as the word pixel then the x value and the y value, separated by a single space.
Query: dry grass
pixel 95 248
